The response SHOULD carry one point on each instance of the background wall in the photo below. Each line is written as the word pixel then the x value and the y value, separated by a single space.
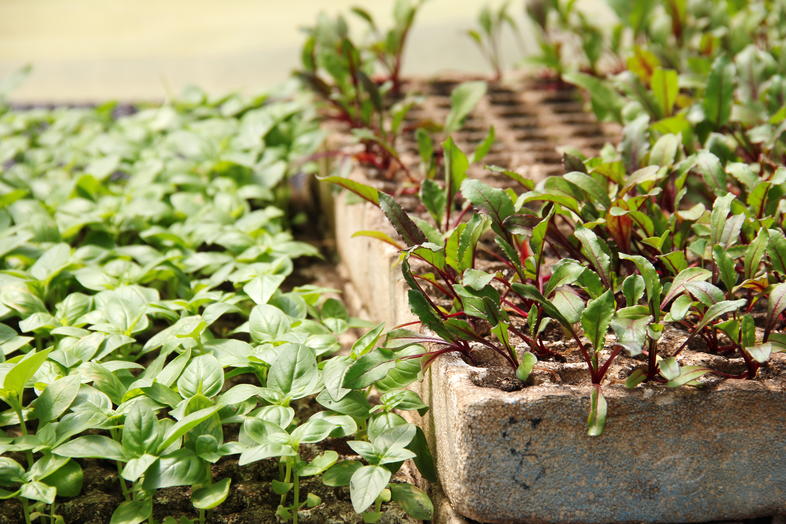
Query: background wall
pixel 149 49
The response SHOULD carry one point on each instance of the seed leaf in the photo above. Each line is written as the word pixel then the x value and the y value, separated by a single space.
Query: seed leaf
pixel 211 495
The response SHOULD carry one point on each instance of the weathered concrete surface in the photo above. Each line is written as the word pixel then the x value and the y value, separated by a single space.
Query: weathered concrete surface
pixel 683 455
pixel 371 264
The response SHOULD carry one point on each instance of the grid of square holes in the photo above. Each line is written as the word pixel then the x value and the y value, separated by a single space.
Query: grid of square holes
pixel 533 121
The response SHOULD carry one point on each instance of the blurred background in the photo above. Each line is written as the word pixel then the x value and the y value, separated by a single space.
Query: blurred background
pixel 83 50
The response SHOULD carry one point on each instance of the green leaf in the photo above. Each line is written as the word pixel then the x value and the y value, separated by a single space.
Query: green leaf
pixel 726 267
pixel 665 87
pixel 568 303
pixel 423 459
pixel 366 342
pixel 263 287
pixel 361 190
pixel 186 424
pixel 495 202
pixel 319 464
pixel 630 326
pixel 776 303
pixel 527 363
pixel 203 375
pixel 634 379
pixel 665 150
pixel 718 97
pixel 369 368
pixel 754 253
pixel 384 237
pixel 596 421
pixel 141 431
pixel 133 512
pixel 268 323
pixel 564 272
pixel 401 222
pixel 463 100
pixel 691 274
pixel 340 474
pixel 761 352
pixel 16 379
pixel 434 198
pixel 423 310
pixel 67 480
pixel 596 318
pixel 652 281
pixel 704 292
pixel 181 468
pixel 51 263
pixel 39 491
pixel 669 368
pixel 633 288
pixel 484 147
pixel 315 429
pixel 710 168
pixel 776 250
pixel 212 495
pixel 593 249
pixel 456 166
pixel 56 398
pixel 530 292
pixel 412 500
pixel 606 104
pixel 365 486
pixel 719 309
pixel 476 279
pixel 91 446
pixel 596 192
pixel 294 373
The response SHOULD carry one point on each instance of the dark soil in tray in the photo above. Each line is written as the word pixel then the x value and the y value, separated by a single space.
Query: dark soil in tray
pixel 251 499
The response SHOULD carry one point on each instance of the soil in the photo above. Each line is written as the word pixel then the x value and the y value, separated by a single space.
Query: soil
pixel 251 499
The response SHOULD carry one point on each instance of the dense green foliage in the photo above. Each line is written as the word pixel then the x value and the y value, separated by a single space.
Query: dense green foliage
pixel 145 309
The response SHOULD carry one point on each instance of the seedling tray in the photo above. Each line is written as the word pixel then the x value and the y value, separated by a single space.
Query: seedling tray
pixel 525 456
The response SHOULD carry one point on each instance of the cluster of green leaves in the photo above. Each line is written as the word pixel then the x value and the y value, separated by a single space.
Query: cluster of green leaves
pixel 491 23
pixel 144 310
pixel 567 38
pixel 359 81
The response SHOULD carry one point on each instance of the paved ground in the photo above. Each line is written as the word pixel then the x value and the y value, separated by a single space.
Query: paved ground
pixel 147 49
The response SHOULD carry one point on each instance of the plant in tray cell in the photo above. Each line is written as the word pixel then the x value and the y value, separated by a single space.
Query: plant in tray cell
pixel 342 72
pixel 491 23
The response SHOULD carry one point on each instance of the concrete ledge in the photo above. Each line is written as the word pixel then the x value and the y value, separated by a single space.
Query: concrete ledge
pixel 683 455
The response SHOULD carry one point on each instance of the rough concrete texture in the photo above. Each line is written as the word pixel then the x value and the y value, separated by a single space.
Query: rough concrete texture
pixel 372 265
pixel 682 455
